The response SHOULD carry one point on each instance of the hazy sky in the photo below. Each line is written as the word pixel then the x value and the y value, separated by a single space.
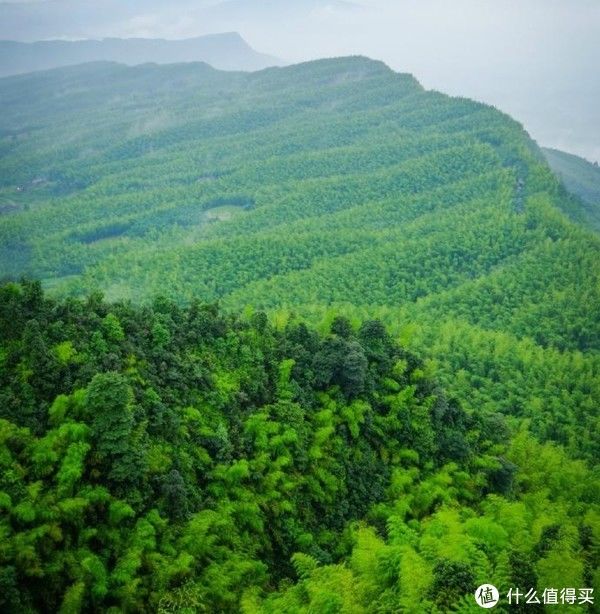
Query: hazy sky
pixel 539 60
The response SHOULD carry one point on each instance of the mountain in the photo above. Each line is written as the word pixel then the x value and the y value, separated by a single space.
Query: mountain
pixel 311 338
pixel 140 179
pixel 226 51
pixel 581 178
pixel 331 183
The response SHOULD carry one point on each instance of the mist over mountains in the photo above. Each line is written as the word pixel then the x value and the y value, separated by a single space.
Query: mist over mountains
pixel 30 21
pixel 535 60
pixel 226 51
pixel 581 178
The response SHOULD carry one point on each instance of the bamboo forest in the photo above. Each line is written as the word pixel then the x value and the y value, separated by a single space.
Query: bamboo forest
pixel 312 339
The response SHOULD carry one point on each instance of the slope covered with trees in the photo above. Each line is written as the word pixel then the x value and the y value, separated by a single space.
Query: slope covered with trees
pixel 334 181
pixel 342 472
pixel 172 459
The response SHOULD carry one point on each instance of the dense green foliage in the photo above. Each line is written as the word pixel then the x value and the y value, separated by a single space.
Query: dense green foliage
pixel 160 458
pixel 331 182
pixel 171 455
pixel 334 181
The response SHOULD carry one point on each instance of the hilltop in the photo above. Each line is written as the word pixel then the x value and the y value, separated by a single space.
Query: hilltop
pixel 331 184
pixel 192 181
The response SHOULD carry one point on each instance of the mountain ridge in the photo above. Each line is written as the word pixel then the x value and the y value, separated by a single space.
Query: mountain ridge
pixel 328 138
pixel 225 51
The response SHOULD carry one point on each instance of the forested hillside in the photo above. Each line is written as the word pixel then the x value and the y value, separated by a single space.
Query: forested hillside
pixel 250 462
pixel 184 460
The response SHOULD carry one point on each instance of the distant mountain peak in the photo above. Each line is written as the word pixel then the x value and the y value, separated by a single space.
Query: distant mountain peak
pixel 224 51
